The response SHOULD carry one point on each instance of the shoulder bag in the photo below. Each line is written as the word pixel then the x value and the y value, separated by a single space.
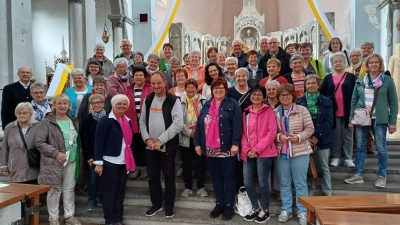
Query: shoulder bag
pixel 32 154
pixel 362 116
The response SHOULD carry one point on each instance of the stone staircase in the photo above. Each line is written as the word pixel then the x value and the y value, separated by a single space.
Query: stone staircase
pixel 195 209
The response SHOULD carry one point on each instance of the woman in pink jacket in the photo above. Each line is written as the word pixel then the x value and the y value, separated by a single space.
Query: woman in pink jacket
pixel 258 151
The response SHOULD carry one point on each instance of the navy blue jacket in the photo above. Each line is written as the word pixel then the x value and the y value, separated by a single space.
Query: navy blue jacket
pixel 323 123
pixel 259 76
pixel 108 140
pixel 87 134
pixel 242 59
pixel 230 120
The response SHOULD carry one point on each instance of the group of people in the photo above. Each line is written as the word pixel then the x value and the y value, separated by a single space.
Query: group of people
pixel 255 114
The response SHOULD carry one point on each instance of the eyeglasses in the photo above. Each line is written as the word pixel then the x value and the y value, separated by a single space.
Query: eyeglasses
pixel 257 95
pixel 23 113
pixel 38 93
pixel 273 43
pixel 96 103
pixel 219 89
pixel 285 95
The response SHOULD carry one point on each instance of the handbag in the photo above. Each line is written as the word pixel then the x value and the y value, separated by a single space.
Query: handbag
pixel 243 205
pixel 362 116
pixel 314 167
pixel 32 154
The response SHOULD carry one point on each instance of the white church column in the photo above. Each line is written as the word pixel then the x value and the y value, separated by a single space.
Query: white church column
pixel 117 26
pixel 396 28
pixel 89 28
pixel 75 33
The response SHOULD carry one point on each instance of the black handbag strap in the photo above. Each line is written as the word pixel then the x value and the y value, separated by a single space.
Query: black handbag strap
pixel 22 136
pixel 334 93
pixel 374 102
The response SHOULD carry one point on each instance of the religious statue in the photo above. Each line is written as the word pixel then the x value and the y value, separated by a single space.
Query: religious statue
pixel 196 45
pixel 223 47
pixel 209 44
pixel 187 44
pixel 249 40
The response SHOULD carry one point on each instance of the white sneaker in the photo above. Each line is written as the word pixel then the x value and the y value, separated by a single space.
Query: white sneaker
pixel 202 192
pixel 335 162
pixel 54 222
pixel 302 219
pixel 349 163
pixel 186 193
pixel 72 221
pixel 284 216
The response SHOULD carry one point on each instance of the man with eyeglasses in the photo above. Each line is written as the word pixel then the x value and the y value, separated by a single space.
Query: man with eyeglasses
pixel 15 93
pixel 127 53
pixel 275 51
pixel 238 53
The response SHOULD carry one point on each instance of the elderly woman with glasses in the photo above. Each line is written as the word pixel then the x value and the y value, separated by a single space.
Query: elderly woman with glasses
pixel 99 87
pixel 339 87
pixel 59 144
pixel 105 64
pixel 320 108
pixel 93 69
pixel 217 136
pixel 119 82
pixel 13 160
pixel 40 105
pixel 138 60
pixel 75 94
pixel 335 46
pixel 195 70
pixel 87 133
pixel 295 127
pixel 357 66
pixel 173 67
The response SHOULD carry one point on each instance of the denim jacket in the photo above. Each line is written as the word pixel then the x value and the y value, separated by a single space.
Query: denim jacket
pixel 230 120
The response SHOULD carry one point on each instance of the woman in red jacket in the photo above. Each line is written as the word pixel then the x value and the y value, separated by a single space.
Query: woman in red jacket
pixel 258 151
pixel 137 93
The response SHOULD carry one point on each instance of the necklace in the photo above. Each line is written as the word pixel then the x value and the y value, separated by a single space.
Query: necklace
pixel 61 118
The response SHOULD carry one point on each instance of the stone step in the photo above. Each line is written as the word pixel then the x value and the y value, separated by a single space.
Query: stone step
pixel 135 215
pixel 367 188
pixel 370 171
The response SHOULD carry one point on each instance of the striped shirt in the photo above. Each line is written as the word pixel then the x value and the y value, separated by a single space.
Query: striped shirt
pixel 138 95
pixel 369 99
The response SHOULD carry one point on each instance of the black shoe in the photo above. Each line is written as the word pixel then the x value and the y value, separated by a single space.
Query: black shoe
pixel 154 210
pixel 169 213
pixel 217 211
pixel 228 213
pixel 251 216
pixel 262 217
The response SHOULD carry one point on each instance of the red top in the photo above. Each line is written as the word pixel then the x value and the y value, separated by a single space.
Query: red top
pixel 279 78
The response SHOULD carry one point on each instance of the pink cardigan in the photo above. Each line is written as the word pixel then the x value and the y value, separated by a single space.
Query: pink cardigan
pixel 116 86
pixel 262 138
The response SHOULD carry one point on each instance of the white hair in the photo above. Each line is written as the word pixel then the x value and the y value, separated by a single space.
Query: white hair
pixel 120 61
pixel 23 105
pixel 99 45
pixel 119 98
pixel 237 40
pixel 242 70
pixel 263 38
pixel 153 56
pixel 78 71
pixel 355 50
pixel 231 58
pixel 125 40
pixel 272 82
pixel 338 55
pixel 195 52
pixel 270 39
pixel 37 85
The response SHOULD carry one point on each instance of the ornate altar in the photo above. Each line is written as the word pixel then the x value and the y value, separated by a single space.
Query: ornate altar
pixel 50 70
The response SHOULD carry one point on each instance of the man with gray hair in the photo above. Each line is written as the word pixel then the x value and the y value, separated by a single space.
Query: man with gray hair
pixel 127 53
pixel 15 93
pixel 104 62
pixel 263 47
pixel 238 53
pixel 276 52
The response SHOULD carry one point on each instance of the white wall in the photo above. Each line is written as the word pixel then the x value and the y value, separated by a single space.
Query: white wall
pixel 50 22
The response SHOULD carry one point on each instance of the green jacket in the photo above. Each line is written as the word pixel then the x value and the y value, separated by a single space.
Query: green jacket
pixel 386 106
pixel 319 70
pixel 163 65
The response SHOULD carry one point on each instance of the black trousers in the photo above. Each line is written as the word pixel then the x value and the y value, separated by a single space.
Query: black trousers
pixel 138 150
pixel 189 156
pixel 157 161
pixel 113 179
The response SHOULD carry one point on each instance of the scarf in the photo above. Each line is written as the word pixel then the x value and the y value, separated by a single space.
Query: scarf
pixel 97 116
pixel 212 139
pixel 127 135
pixel 374 84
pixel 192 112
pixel 40 110
pixel 152 71
pixel 312 103
pixel 125 77
pixel 286 150
pixel 354 67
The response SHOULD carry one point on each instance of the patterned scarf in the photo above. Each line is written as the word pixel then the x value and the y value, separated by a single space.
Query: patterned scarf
pixel 125 77
pixel 212 139
pixel 312 103
pixel 374 84
pixel 286 151
pixel 97 116
pixel 40 109
pixel 152 71
pixel 191 117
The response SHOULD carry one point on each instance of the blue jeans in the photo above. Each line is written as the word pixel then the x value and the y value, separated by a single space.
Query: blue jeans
pixel 94 187
pixel 223 177
pixel 379 131
pixel 262 166
pixel 293 170
pixel 326 184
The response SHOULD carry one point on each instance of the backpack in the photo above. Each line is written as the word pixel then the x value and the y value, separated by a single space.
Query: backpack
pixel 243 205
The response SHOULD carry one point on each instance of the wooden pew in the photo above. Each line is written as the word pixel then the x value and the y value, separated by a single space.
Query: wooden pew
pixel 31 193
pixel 333 217
pixel 389 203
